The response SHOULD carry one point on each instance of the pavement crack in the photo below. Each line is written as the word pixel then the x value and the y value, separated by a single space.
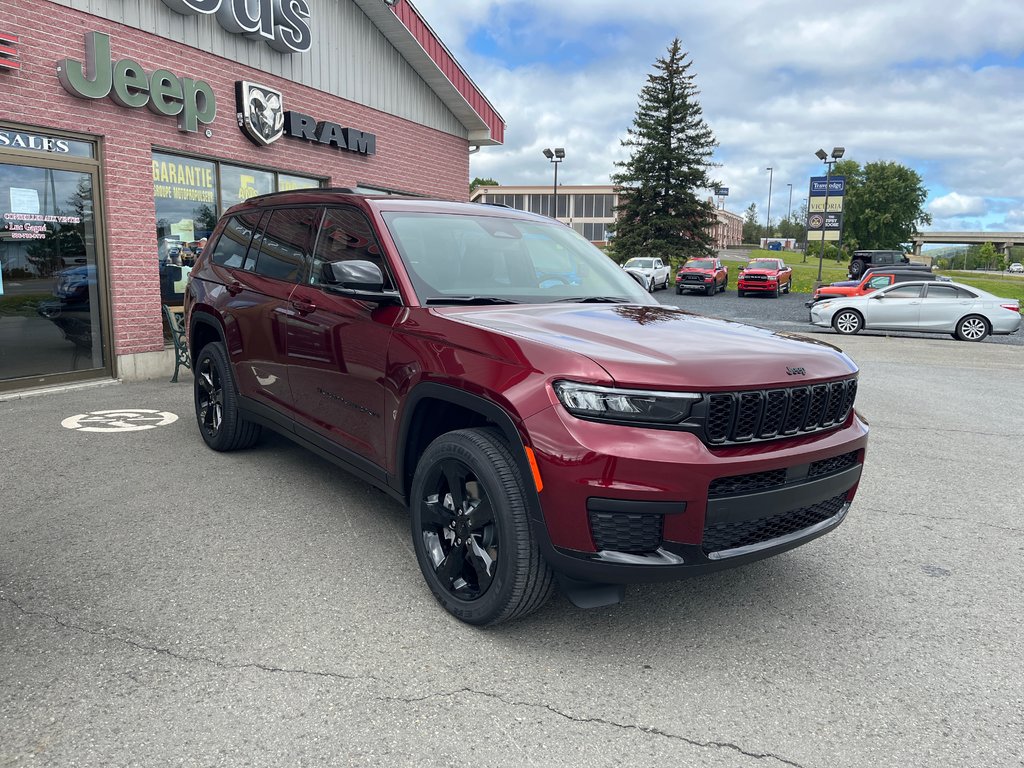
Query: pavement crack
pixel 651 730
pixel 190 659
pixel 947 518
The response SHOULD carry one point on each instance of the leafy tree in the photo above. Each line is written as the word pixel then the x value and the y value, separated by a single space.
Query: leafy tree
pixel 883 206
pixel 751 228
pixel 660 212
pixel 478 182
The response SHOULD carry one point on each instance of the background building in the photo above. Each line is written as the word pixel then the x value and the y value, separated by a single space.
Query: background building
pixel 129 126
pixel 590 209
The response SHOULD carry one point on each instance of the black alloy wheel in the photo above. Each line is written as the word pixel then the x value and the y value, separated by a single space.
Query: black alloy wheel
pixel 216 402
pixel 471 531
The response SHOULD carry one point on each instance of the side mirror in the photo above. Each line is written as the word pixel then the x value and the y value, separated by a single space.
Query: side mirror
pixel 357 279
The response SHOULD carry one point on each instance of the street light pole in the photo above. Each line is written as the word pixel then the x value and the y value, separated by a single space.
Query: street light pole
pixel 789 211
pixel 768 225
pixel 837 152
pixel 556 156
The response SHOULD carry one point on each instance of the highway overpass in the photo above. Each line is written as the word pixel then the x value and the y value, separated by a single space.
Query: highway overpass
pixel 1002 241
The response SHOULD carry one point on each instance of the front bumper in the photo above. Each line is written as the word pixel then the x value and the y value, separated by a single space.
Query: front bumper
pixel 626 504
pixel 757 285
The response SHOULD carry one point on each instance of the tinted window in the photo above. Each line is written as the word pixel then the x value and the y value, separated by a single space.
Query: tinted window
pixel 904 292
pixel 234 241
pixel 879 282
pixel 948 292
pixel 346 235
pixel 284 247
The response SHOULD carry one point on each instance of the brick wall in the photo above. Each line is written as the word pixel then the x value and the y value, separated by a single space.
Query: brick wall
pixel 409 156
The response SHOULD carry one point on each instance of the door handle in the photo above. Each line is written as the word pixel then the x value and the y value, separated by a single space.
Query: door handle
pixel 234 288
pixel 303 306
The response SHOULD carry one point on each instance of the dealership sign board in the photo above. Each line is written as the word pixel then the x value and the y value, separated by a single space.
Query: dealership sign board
pixel 282 24
pixel 825 208
pixel 128 84
pixel 263 119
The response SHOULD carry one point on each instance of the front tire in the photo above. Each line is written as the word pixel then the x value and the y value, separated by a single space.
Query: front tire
pixel 471 531
pixel 216 402
pixel 847 322
pixel 972 328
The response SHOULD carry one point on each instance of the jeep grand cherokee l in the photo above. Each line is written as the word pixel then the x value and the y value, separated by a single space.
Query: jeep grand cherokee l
pixel 541 430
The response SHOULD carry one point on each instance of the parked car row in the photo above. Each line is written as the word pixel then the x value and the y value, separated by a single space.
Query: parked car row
pixel 711 276
pixel 928 306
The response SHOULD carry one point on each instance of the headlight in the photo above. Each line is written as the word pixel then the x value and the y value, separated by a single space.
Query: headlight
pixel 612 404
pixel 823 305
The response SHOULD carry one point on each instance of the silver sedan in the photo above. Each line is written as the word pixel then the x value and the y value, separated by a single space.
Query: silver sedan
pixel 969 314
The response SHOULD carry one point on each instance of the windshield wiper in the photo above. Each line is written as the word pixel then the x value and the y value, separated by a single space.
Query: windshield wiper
pixel 469 300
pixel 594 300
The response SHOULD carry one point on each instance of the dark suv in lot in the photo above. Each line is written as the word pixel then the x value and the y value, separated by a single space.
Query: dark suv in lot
pixel 541 430
pixel 862 260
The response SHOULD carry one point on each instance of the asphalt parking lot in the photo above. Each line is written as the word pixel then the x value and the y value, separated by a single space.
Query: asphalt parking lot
pixel 163 604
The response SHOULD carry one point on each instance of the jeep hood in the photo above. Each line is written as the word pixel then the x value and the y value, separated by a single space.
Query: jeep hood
pixel 664 347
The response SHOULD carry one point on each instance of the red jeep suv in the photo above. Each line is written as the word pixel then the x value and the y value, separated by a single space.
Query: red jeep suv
pixel 543 417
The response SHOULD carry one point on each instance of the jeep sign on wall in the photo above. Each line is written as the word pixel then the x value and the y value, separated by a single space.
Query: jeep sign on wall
pixel 282 24
pixel 129 85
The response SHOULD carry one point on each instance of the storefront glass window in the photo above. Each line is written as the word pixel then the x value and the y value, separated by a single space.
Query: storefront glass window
pixel 238 184
pixel 49 287
pixel 286 182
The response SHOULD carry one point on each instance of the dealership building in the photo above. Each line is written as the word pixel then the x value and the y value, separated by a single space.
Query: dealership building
pixel 129 126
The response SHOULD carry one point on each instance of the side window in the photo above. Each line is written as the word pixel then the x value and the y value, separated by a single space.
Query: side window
pixel 346 235
pixel 904 292
pixel 233 243
pixel 284 247
pixel 941 292
pixel 879 282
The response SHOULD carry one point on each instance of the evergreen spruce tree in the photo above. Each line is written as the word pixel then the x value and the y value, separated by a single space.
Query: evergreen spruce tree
pixel 660 212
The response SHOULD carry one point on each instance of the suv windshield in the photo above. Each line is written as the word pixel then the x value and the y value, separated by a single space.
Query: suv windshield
pixel 528 262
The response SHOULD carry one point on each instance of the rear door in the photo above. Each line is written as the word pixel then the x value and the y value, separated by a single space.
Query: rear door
pixel 943 305
pixel 255 288
pixel 338 348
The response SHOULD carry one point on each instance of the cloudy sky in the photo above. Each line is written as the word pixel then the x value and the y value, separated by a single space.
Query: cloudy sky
pixel 938 87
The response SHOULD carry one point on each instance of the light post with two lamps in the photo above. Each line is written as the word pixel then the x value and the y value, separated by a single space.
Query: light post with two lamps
pixel 555 156
pixel 837 152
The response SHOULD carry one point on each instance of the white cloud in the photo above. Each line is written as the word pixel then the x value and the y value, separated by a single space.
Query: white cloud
pixel 954 205
pixel 889 81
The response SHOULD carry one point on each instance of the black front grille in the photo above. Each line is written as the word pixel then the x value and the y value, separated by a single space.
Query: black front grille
pixel 759 481
pixel 623 532
pixel 693 278
pixel 724 536
pixel 833 465
pixel 755 277
pixel 738 417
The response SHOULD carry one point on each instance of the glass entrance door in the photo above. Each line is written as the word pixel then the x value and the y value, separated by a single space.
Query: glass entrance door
pixel 51 297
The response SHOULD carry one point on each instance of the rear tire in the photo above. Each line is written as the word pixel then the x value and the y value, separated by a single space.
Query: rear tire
pixel 471 531
pixel 972 328
pixel 216 402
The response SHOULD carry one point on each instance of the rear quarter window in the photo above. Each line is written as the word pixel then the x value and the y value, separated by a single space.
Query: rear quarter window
pixel 233 243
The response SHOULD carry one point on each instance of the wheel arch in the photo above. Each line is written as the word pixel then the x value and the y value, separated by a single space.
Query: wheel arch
pixel 433 409
pixel 205 328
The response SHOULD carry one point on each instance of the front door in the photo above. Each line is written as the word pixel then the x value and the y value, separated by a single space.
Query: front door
pixel 338 347
pixel 52 298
